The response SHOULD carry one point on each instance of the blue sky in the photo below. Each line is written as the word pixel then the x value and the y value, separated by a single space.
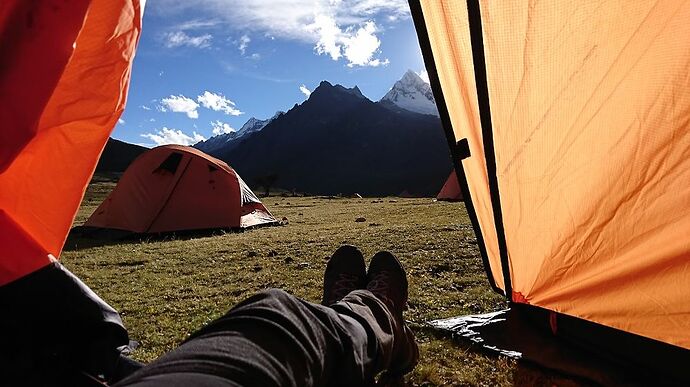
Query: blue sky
pixel 205 67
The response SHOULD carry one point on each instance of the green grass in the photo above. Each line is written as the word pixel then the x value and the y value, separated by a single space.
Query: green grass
pixel 166 289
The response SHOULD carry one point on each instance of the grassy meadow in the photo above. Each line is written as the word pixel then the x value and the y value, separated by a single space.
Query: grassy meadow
pixel 167 288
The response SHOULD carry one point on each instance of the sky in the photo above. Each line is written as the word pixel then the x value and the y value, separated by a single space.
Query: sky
pixel 204 67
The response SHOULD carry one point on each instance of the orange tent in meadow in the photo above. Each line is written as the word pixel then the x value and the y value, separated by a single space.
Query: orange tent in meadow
pixel 577 117
pixel 176 188
pixel 451 189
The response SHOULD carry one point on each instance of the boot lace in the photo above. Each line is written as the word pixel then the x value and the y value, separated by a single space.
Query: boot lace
pixel 379 286
pixel 343 286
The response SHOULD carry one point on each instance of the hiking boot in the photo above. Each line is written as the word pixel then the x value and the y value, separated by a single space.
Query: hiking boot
pixel 345 272
pixel 386 279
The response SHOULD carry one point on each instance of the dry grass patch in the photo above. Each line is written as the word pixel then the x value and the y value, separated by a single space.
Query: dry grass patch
pixel 166 289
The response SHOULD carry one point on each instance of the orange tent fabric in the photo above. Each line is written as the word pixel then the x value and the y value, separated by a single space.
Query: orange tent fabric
pixel 65 68
pixel 590 112
pixel 451 189
pixel 175 188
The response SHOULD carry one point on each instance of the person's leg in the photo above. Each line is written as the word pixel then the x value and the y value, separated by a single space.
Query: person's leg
pixel 387 281
pixel 397 349
pixel 276 339
pixel 272 339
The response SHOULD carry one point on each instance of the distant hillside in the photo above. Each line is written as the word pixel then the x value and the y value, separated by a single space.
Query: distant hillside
pixel 226 140
pixel 117 156
pixel 338 141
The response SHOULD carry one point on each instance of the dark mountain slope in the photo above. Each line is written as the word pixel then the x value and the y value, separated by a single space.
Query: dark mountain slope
pixel 338 141
pixel 117 156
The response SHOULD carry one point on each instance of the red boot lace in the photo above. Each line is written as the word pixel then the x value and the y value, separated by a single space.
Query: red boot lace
pixel 380 287
pixel 343 286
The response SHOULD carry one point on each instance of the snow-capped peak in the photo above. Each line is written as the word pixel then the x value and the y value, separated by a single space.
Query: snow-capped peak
pixel 413 94
pixel 252 125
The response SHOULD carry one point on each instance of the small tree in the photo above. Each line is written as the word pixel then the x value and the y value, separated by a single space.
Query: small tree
pixel 267 182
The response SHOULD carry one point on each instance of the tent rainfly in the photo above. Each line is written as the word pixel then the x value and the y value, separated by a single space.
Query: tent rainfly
pixel 65 68
pixel 451 189
pixel 178 188
pixel 577 116
pixel 77 58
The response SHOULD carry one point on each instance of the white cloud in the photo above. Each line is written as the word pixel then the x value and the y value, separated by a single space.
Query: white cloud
pixel 278 18
pixel 180 104
pixel 173 136
pixel 120 121
pixel 221 128
pixel 329 35
pixel 145 107
pixel 360 47
pixel 218 103
pixel 243 42
pixel 197 24
pixel 424 75
pixel 180 38
pixel 304 90
pixel 323 23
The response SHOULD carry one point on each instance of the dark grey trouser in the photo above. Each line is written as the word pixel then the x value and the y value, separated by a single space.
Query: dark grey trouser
pixel 276 339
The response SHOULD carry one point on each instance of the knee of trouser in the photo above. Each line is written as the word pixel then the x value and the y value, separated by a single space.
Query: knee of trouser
pixel 278 295
pixel 268 298
pixel 277 300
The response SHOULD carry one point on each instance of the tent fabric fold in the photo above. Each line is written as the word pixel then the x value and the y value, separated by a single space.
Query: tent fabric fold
pixel 66 69
pixel 590 112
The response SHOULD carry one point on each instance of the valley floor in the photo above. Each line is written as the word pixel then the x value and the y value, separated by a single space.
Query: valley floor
pixel 166 289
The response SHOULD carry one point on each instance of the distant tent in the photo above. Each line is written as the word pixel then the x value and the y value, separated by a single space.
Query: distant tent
pixel 407 194
pixel 178 188
pixel 451 189
pixel 577 120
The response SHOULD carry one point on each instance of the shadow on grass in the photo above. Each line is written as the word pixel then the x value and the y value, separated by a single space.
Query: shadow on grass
pixel 524 374
pixel 82 237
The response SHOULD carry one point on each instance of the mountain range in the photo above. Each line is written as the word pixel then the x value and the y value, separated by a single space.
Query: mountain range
pixel 252 125
pixel 117 155
pixel 340 142
pixel 336 142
